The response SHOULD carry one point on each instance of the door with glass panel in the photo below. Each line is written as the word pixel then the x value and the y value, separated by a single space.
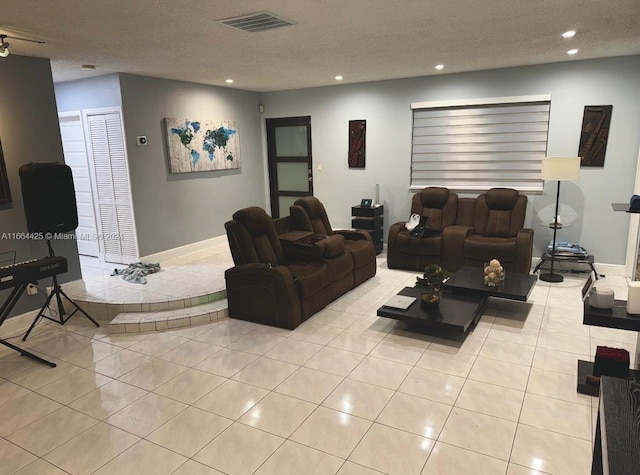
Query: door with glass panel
pixel 289 155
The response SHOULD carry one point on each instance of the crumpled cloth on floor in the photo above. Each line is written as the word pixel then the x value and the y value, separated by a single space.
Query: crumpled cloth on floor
pixel 137 272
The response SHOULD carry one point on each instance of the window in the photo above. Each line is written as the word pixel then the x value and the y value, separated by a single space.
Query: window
pixel 480 144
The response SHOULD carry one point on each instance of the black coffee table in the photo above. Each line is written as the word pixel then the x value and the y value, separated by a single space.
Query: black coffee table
pixel 455 313
pixel 463 300
pixel 469 281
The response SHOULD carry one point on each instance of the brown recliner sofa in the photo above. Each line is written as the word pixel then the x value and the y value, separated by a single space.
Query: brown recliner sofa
pixel 281 285
pixel 483 228
pixel 309 214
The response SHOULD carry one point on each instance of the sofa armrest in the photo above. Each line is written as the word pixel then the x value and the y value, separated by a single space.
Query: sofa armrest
pixel 524 250
pixel 352 235
pixel 452 250
pixel 333 245
pixel 392 244
pixel 263 293
pixel 316 247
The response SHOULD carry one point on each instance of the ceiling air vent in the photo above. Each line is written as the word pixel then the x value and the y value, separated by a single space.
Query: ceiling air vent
pixel 256 22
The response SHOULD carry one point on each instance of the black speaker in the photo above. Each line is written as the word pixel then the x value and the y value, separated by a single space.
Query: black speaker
pixel 49 197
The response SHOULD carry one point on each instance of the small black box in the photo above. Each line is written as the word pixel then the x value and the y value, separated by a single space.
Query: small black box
pixel 611 362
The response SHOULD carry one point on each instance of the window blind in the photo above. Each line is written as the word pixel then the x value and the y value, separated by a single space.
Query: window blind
pixel 489 143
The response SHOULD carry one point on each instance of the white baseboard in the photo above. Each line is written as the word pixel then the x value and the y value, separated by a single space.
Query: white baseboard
pixel 186 249
pixel 614 270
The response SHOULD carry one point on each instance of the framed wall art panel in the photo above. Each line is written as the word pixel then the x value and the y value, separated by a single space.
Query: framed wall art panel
pixel 5 193
pixel 594 135
pixel 199 146
pixel 357 143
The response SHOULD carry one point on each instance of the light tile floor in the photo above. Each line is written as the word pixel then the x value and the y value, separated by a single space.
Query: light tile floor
pixel 347 393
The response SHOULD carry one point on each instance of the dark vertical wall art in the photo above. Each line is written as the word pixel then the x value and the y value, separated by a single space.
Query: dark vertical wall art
pixel 357 143
pixel 5 193
pixel 594 135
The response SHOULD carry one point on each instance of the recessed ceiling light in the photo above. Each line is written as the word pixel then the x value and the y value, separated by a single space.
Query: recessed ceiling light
pixel 338 78
pixel 572 51
pixel 439 66
pixel 569 34
pixel 229 81
pixel 88 67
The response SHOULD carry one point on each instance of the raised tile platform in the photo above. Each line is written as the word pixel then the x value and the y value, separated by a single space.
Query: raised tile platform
pixel 152 321
pixel 188 290
pixel 107 311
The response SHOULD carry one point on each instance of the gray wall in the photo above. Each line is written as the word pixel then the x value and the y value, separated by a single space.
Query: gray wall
pixel 91 93
pixel 29 132
pixel 172 210
pixel 386 107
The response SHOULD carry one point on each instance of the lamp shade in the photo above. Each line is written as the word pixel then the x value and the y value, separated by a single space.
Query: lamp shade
pixel 561 168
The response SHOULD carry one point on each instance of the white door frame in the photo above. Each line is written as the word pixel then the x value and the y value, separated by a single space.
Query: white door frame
pixel 633 241
pixel 101 111
pixel 78 115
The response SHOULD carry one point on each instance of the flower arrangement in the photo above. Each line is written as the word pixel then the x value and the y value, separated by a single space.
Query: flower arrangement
pixel 433 279
pixel 493 273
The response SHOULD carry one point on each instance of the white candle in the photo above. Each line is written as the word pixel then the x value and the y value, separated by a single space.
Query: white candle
pixel 633 298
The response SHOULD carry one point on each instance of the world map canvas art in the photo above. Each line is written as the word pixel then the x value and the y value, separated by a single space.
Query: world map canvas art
pixel 199 146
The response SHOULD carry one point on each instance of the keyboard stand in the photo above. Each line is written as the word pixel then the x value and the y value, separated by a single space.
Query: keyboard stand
pixel 58 293
pixel 6 308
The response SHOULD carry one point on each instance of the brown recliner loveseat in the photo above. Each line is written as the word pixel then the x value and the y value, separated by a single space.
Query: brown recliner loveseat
pixel 473 231
pixel 281 285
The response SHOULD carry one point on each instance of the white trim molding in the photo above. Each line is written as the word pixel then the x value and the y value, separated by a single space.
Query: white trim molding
pixel 186 249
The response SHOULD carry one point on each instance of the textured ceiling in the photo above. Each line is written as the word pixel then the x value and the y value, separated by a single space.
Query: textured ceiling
pixel 362 40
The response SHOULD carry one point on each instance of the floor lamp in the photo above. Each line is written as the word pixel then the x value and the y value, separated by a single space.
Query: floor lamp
pixel 559 169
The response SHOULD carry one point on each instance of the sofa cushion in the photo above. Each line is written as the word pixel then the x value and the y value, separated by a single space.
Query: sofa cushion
pixel 426 246
pixel 498 223
pixel 433 197
pixel 340 265
pixel 503 199
pixel 310 277
pixel 316 216
pixel 258 240
pixel 439 204
pixel 481 248
pixel 362 251
pixel 500 212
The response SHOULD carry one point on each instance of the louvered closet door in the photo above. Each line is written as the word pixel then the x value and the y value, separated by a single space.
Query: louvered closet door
pixel 111 184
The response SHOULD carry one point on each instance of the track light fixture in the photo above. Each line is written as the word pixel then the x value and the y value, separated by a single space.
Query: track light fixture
pixel 4 45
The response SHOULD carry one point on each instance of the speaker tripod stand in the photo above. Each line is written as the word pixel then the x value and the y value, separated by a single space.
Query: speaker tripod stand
pixel 58 293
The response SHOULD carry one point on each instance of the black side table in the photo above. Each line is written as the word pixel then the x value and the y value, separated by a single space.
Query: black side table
pixel 546 257
pixel 614 317
pixel 369 219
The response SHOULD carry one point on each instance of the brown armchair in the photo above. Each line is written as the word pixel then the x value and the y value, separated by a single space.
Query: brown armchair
pixel 309 214
pixel 406 252
pixel 498 231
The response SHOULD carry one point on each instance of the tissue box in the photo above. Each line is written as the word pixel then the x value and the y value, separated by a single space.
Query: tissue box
pixel 611 362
